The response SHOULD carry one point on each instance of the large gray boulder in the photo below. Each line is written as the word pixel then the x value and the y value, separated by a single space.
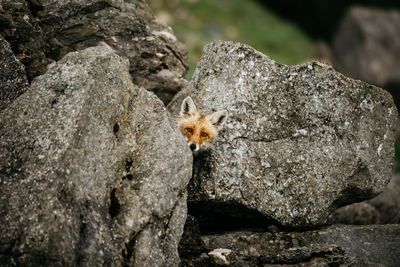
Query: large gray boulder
pixel 43 31
pixel 93 171
pixel 300 141
pixel 13 81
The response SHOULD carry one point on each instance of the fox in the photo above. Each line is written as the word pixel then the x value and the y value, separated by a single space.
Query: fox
pixel 201 130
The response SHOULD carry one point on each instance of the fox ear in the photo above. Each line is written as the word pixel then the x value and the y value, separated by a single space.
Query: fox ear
pixel 188 107
pixel 219 118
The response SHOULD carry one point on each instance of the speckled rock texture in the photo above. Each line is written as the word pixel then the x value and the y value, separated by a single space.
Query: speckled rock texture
pixel 367 45
pixel 13 81
pixel 357 213
pixel 388 202
pixel 300 141
pixel 43 31
pixel 377 245
pixel 93 171
pixel 382 209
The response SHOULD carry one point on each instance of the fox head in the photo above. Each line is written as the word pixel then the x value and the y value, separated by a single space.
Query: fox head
pixel 201 130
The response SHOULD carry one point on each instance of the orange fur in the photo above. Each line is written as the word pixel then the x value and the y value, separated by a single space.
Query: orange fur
pixel 200 130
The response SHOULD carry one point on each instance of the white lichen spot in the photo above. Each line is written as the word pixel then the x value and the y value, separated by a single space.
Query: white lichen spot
pixel 219 255
pixel 265 164
pixel 367 104
pixel 240 151
pixel 380 147
pixel 165 34
pixel 317 103
pixel 301 158
pixel 391 111
pixel 129 222
pixel 260 121
pixel 300 132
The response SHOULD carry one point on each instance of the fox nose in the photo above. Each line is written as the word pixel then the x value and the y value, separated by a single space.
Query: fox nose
pixel 192 147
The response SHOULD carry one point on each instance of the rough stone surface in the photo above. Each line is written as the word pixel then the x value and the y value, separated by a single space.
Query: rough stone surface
pixel 333 246
pixel 191 243
pixel 382 209
pixel 43 31
pixel 388 203
pixel 13 81
pixel 222 256
pixel 300 141
pixel 367 47
pixel 358 213
pixel 93 171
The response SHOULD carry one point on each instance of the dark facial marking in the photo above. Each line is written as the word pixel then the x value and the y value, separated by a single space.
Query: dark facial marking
pixel 186 108
pixel 220 120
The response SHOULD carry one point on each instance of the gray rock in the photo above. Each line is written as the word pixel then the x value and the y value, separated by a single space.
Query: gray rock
pixel 382 209
pixel 93 171
pixel 13 81
pixel 191 243
pixel 388 203
pixel 357 213
pixel 377 245
pixel 158 61
pixel 300 140
pixel 21 28
pixel 367 47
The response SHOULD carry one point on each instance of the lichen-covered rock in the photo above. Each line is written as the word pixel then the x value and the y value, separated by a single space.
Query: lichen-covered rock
pixel 300 141
pixel 93 171
pixel 13 81
pixel 43 31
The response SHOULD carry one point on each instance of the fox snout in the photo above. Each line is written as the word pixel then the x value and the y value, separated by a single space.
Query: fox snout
pixel 200 130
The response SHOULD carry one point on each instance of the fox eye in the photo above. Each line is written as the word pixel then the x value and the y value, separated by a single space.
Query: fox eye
pixel 204 134
pixel 189 130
